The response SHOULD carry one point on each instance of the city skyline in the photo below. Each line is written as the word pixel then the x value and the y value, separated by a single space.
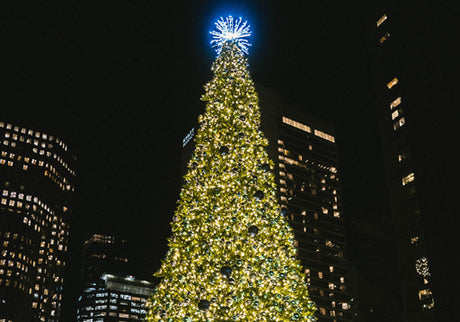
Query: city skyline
pixel 90 75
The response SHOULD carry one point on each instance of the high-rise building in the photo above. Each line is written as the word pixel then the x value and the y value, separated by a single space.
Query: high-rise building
pixel 114 297
pixel 103 253
pixel 108 291
pixel 37 177
pixel 396 113
pixel 306 167
pixel 306 164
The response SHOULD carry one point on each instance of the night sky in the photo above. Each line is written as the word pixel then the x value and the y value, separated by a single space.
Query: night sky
pixel 121 82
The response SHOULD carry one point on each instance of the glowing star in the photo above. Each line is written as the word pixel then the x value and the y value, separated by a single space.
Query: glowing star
pixel 231 30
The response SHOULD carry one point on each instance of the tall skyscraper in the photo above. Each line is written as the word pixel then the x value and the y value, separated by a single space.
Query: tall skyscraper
pixel 397 121
pixel 304 150
pixel 108 291
pixel 103 253
pixel 37 180
pixel 306 168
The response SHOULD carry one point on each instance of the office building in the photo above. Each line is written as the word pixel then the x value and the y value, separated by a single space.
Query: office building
pixel 37 181
pixel 108 291
pixel 114 297
pixel 394 84
pixel 103 253
pixel 304 150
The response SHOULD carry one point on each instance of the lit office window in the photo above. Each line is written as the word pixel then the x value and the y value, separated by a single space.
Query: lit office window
pixel 424 294
pixel 384 37
pixel 392 83
pixel 382 20
pixel 407 179
pixel 399 123
pixel 395 114
pixel 324 136
pixel 395 103
pixel 295 124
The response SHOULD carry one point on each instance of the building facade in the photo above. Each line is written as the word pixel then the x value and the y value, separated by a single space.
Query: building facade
pixel 114 297
pixel 37 180
pixel 306 165
pixel 395 112
pixel 109 292
pixel 103 253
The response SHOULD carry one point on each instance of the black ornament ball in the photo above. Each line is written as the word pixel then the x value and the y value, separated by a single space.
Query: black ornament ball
pixel 253 230
pixel 259 195
pixel 265 167
pixel 226 271
pixel 203 305
pixel 224 150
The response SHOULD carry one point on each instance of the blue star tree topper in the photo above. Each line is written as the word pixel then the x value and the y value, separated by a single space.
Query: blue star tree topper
pixel 229 29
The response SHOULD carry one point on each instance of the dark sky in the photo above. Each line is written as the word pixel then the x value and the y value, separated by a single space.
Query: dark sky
pixel 121 83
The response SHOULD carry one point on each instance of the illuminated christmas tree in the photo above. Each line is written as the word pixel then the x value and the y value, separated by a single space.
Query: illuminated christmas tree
pixel 231 255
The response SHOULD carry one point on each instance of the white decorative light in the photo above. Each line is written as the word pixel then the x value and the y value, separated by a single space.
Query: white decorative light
pixel 231 30
pixel 421 266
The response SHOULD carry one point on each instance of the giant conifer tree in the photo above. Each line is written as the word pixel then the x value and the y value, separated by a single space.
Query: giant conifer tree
pixel 231 255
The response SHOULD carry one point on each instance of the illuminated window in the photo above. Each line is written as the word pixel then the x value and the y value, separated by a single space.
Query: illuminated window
pixel 324 135
pixel 395 114
pixel 320 274
pixel 407 179
pixel 399 123
pixel 331 269
pixel 382 20
pixel 392 83
pixel 384 37
pixel 297 125
pixel 414 240
pixel 429 305
pixel 395 103
pixel 424 294
pixel 401 157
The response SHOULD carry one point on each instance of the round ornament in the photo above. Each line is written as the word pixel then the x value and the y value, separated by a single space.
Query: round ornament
pixel 253 230
pixel 226 271
pixel 265 167
pixel 258 195
pixel 203 305
pixel 224 150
